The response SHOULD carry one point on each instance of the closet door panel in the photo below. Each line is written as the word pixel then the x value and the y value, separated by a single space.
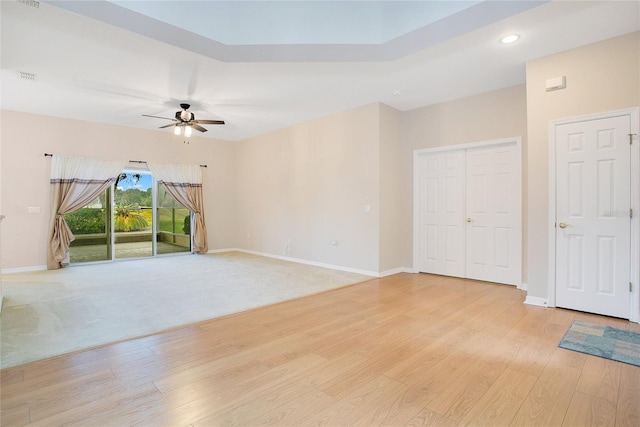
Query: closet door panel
pixel 441 234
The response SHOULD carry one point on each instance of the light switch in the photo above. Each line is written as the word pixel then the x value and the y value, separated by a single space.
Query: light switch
pixel 33 209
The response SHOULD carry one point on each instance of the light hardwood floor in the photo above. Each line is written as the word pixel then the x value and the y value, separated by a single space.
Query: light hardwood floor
pixel 403 350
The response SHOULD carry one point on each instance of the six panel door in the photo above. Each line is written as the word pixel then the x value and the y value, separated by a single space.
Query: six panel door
pixel 493 206
pixel 593 216
pixel 441 187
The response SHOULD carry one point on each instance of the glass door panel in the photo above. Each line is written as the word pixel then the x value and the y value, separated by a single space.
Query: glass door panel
pixel 91 226
pixel 174 224
pixel 133 215
pixel 119 224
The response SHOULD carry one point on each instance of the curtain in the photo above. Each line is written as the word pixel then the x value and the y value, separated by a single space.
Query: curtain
pixel 75 181
pixel 184 183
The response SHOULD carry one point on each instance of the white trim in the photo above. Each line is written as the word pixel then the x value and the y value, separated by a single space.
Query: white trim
pixel 634 314
pixel 540 302
pixel 468 145
pixel 23 269
pixel 634 115
pixel 300 261
pixel 517 140
pixel 317 264
pixel 523 286
pixel 218 251
pixel 396 270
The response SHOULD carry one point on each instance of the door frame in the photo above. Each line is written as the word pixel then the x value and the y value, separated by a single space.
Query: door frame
pixel 634 115
pixel 417 154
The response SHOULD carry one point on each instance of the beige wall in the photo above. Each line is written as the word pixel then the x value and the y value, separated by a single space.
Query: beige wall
pixel 288 193
pixel 600 77
pixel 391 216
pixel 25 173
pixel 302 187
pixel 294 191
pixel 492 115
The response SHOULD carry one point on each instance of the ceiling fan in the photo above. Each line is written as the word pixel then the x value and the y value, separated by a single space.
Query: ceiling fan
pixel 187 120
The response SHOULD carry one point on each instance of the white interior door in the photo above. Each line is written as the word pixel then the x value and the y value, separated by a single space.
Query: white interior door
pixel 493 210
pixel 593 234
pixel 481 185
pixel 441 189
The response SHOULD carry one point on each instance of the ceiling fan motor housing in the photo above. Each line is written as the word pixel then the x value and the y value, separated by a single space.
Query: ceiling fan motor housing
pixel 184 116
pixel 187 118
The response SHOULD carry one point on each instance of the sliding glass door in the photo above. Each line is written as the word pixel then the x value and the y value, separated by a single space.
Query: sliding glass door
pixel 133 215
pixel 91 226
pixel 135 218
pixel 173 225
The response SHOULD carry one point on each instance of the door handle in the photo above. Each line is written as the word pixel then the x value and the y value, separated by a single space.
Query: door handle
pixel 469 220
pixel 563 225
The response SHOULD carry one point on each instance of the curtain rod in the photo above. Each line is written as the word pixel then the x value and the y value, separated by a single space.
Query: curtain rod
pixel 130 161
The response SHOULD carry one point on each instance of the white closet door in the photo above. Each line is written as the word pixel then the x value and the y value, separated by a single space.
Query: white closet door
pixel 493 211
pixel 469 212
pixel 441 234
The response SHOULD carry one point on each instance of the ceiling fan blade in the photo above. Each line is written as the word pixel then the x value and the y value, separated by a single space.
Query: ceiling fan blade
pixel 156 117
pixel 198 127
pixel 210 122
pixel 166 126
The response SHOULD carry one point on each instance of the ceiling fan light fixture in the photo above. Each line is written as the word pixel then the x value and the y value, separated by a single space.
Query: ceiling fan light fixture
pixel 187 120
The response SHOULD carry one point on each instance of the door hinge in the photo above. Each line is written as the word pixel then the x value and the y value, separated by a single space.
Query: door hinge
pixel 630 287
pixel 630 212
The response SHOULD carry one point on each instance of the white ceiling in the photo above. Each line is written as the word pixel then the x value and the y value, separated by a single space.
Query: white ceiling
pixel 265 65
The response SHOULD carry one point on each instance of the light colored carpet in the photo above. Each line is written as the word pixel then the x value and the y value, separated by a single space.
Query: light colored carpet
pixel 48 313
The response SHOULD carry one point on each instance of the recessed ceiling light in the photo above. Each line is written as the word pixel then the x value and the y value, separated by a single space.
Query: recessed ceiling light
pixel 510 38
pixel 397 92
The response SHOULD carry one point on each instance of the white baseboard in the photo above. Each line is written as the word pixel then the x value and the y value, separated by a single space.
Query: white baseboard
pixel 219 251
pixel 541 302
pixel 284 258
pixel 395 271
pixel 300 260
pixel 318 264
pixel 23 269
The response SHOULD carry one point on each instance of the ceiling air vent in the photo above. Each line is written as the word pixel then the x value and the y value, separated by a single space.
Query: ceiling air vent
pixel 32 77
pixel 32 3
